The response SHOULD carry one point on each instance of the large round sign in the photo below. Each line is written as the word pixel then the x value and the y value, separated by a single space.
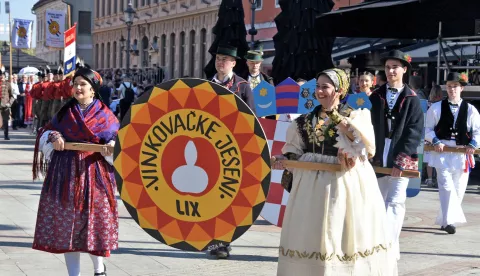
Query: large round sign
pixel 192 164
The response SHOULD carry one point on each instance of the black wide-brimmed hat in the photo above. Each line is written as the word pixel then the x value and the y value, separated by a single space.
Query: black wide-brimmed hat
pixel 462 78
pixel 227 50
pixel 398 55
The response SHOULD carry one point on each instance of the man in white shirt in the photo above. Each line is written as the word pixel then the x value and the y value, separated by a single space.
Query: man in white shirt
pixel 127 96
pixel 15 105
pixel 452 123
pixel 398 122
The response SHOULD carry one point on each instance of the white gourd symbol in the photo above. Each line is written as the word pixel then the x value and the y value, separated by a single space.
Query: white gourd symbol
pixel 190 178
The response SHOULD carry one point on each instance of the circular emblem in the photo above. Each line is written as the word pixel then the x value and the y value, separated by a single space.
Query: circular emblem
pixel 192 164
pixel 54 28
pixel 21 32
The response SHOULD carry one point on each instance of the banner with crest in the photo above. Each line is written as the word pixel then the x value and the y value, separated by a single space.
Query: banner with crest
pixel 22 33
pixel 55 28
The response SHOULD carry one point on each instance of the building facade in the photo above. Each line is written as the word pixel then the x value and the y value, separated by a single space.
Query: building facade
pixel 51 56
pixel 175 35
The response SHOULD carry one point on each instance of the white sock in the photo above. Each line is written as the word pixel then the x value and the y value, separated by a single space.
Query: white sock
pixel 72 260
pixel 97 263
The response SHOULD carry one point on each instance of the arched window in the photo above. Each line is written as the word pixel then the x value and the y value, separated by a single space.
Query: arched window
pixel 122 6
pixel 163 49
pixel 182 54
pixel 172 55
pixel 114 55
pixel 103 8
pixel 120 60
pixel 145 47
pixel 203 49
pixel 115 6
pixel 102 56
pixel 97 60
pixel 192 53
pixel 135 4
pixel 108 55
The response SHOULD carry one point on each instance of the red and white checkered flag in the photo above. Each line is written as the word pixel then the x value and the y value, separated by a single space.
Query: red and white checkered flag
pixel 277 197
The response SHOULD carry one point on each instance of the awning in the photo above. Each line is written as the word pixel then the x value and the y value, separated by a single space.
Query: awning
pixel 345 48
pixel 402 19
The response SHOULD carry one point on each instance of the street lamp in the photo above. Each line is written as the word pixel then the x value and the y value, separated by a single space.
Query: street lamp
pixel 252 30
pixel 129 15
pixel 5 48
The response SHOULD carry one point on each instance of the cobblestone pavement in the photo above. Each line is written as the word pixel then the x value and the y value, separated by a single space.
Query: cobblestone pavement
pixel 425 249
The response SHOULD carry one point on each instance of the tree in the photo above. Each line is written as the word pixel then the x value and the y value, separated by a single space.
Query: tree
pixel 229 30
pixel 300 50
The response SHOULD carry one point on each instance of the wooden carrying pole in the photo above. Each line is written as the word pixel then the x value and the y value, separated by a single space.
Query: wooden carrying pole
pixel 448 149
pixel 337 168
pixel 85 147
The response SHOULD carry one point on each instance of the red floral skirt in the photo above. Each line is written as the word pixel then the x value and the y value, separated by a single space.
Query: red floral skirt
pixel 77 210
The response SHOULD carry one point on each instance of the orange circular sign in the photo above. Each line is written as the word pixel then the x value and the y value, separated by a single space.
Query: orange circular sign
pixel 192 164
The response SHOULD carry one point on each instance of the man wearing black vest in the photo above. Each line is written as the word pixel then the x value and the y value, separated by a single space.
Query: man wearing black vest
pixel 452 123
pixel 398 123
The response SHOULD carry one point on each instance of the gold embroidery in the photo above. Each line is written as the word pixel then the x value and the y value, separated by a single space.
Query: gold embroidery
pixel 328 257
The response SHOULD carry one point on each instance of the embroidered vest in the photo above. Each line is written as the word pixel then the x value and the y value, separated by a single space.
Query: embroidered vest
pixel 326 148
pixel 446 130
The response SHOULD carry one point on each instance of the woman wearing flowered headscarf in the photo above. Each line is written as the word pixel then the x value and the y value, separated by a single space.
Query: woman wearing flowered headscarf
pixel 335 221
pixel 78 210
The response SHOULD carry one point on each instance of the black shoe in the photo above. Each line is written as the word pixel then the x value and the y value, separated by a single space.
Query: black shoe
pixel 104 273
pixel 222 253
pixel 6 138
pixel 15 128
pixel 450 229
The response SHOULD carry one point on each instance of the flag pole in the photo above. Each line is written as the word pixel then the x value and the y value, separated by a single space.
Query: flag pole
pixel 10 37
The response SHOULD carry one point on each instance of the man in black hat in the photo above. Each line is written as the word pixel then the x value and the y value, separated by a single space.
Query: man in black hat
pixel 225 60
pixel 452 123
pixel 6 102
pixel 254 75
pixel 398 123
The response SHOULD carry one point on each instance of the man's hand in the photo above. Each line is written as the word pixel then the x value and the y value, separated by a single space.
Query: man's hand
pixel 439 147
pixel 396 172
pixel 469 150
pixel 59 144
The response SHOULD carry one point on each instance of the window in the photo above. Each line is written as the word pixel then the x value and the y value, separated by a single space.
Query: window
pixel 122 6
pixel 203 50
pixel 84 22
pixel 115 6
pixel 97 11
pixel 145 54
pixel 120 60
pixel 109 7
pixel 114 54
pixel 172 55
pixel 102 56
pixel 108 57
pixel 164 50
pixel 259 5
pixel 192 53
pixel 97 61
pixel 182 54
pixel 103 8
pixel 135 3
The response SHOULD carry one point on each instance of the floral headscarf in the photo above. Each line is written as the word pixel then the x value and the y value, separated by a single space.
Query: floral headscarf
pixel 340 80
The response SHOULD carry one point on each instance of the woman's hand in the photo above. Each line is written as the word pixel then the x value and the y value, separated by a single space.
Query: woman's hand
pixel 345 162
pixel 108 149
pixel 277 162
pixel 343 126
pixel 59 144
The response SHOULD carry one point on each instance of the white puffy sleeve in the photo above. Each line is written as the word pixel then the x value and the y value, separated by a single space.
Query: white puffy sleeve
pixel 293 141
pixel 361 126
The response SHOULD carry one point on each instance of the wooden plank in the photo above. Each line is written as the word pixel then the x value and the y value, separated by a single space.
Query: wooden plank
pixel 85 147
pixel 336 168
pixel 448 149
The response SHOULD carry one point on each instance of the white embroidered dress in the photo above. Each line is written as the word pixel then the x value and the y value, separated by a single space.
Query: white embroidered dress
pixel 335 222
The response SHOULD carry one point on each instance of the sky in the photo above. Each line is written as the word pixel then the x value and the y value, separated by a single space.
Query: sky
pixel 21 9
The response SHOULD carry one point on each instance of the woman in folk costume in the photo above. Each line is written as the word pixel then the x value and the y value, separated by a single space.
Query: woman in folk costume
pixel 78 210
pixel 452 123
pixel 335 221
